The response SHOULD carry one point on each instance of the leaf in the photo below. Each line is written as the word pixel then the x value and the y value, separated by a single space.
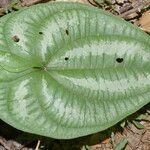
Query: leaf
pixel 102 1
pixel 113 139
pixel 123 123
pixel 86 147
pixel 69 70
pixel 121 145
pixel 142 117
pixel 138 124
pixel 4 3
pixel 145 21
pixel 99 1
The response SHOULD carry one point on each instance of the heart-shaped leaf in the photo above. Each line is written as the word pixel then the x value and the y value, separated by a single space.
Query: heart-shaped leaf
pixel 69 70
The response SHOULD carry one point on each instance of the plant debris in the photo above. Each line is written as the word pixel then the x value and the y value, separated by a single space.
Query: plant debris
pixel 145 21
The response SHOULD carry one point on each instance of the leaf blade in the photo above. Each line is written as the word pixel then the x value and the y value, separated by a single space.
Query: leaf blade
pixel 86 74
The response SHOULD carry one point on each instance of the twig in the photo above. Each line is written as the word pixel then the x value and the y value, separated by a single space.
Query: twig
pixel 135 9
pixel 4 144
pixel 38 144
pixel 145 30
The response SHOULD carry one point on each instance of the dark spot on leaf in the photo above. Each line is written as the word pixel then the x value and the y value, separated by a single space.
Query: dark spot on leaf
pixel 67 32
pixel 66 58
pixel 40 32
pixel 15 38
pixel 119 60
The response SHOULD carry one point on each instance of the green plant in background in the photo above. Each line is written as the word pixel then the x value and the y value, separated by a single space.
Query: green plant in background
pixel 99 1
pixel 69 70
pixel 15 5
pixel 120 145
pixel 102 1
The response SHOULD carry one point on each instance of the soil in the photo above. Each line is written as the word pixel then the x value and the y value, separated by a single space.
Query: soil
pixel 133 133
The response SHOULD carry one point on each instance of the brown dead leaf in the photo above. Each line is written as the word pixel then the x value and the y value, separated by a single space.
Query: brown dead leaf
pixel 4 3
pixel 128 148
pixel 80 1
pixel 145 21
pixel 146 137
pixel 106 141
pixel 96 147
pixel 29 2
pixel 2 11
